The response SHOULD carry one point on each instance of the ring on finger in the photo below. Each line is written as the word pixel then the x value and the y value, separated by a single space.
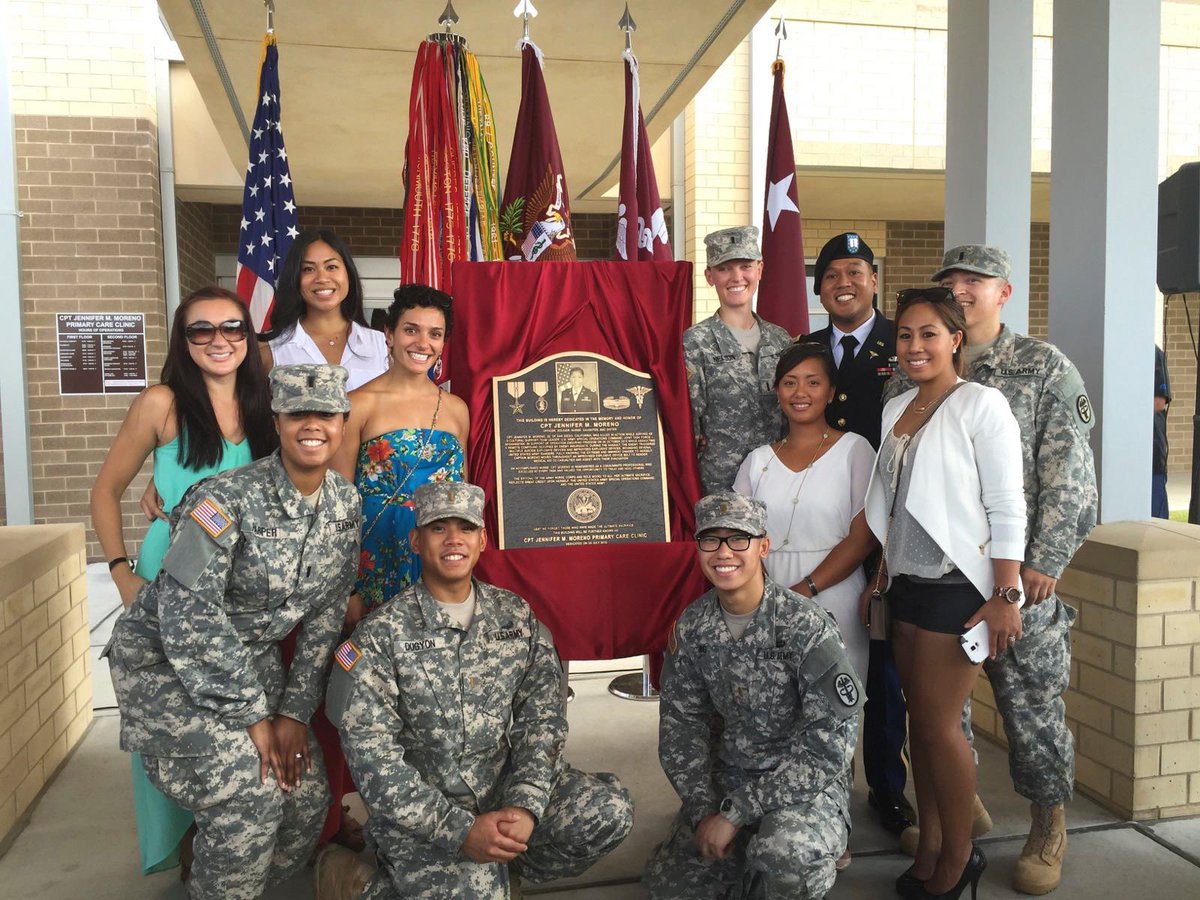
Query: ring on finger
pixel 301 755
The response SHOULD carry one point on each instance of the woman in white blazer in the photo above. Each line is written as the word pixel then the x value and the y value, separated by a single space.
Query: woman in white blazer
pixel 946 500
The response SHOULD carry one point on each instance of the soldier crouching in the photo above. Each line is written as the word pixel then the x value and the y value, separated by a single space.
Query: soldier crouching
pixel 758 719
pixel 449 704
pixel 195 660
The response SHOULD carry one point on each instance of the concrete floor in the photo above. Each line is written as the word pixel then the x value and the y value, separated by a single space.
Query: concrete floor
pixel 80 839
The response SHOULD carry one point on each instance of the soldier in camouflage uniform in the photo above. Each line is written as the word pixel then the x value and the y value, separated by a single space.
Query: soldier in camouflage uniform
pixel 731 360
pixel 1051 405
pixel 195 660
pixel 452 716
pixel 758 718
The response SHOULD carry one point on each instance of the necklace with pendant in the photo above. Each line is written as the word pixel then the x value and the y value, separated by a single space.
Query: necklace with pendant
pixel 796 499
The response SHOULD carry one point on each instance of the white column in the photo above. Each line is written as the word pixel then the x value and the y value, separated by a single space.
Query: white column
pixel 14 404
pixel 989 98
pixel 1103 228
pixel 762 53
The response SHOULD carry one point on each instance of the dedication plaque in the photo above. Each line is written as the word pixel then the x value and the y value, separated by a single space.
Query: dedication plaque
pixel 579 454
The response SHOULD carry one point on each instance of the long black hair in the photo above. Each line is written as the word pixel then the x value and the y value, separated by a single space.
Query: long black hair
pixel 289 305
pixel 200 441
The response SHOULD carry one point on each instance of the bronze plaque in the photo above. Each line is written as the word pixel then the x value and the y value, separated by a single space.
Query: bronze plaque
pixel 579 454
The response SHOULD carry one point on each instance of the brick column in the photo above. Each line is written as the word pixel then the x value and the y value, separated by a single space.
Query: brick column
pixel 91 239
pixel 1134 700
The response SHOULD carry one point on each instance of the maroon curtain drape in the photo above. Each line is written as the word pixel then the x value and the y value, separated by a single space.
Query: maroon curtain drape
pixel 599 602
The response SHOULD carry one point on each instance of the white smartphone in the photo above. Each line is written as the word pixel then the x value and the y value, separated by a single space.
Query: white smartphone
pixel 975 642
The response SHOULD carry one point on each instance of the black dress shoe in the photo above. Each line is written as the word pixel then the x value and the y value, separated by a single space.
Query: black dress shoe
pixel 895 813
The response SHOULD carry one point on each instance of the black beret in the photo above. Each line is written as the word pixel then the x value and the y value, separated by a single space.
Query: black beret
pixel 848 245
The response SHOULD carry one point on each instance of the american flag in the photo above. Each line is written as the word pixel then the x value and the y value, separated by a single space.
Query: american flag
pixel 268 204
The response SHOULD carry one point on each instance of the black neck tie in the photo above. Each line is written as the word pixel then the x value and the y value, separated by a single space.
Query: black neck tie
pixel 849 342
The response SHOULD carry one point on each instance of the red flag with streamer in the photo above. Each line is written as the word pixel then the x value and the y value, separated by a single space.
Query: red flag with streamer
pixel 435 231
pixel 782 293
pixel 641 225
pixel 535 218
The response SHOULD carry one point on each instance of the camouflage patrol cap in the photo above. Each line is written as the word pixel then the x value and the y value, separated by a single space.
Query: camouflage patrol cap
pixel 978 258
pixel 309 388
pixel 847 245
pixel 732 243
pixel 729 509
pixel 448 500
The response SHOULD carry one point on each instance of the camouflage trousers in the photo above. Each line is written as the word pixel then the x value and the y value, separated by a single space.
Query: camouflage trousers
pixel 587 817
pixel 1029 681
pixel 248 834
pixel 788 855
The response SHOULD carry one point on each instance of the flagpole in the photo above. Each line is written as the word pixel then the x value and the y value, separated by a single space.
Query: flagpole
pixel 632 685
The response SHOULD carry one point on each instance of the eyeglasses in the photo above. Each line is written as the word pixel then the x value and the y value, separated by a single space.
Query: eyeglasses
pixel 202 333
pixel 923 295
pixel 710 543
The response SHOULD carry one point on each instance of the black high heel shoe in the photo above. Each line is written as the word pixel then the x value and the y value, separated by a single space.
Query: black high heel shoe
pixel 971 875
pixel 909 885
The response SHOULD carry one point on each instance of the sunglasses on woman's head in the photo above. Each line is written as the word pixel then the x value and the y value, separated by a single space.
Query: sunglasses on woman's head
pixel 201 333
pixel 923 295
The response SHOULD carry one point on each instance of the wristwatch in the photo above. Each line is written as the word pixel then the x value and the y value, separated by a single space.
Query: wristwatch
pixel 1008 594
pixel 729 812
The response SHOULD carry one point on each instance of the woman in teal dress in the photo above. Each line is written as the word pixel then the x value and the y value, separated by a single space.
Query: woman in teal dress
pixel 403 431
pixel 210 413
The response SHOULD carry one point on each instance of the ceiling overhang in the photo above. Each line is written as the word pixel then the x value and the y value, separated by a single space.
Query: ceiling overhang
pixel 346 69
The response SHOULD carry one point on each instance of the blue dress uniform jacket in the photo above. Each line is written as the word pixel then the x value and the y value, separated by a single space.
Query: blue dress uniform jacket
pixel 858 402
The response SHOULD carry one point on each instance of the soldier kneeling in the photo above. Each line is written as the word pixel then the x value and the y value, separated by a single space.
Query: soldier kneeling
pixel 758 719
pixel 450 707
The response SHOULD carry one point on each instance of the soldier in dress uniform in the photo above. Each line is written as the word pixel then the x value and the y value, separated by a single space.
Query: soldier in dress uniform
pixel 863 342
pixel 222 728
pixel 758 719
pixel 731 358
pixel 451 711
pixel 1048 398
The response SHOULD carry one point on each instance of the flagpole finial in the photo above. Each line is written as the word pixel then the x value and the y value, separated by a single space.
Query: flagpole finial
pixel 628 26
pixel 780 37
pixel 449 18
pixel 525 11
pixel 270 5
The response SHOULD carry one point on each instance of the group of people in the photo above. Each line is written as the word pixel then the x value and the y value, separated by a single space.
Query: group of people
pixel 922 480
pixel 303 621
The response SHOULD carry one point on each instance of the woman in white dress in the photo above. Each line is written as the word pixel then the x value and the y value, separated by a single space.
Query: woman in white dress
pixel 813 483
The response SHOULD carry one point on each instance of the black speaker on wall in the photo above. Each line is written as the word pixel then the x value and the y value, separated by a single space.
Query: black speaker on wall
pixel 1179 231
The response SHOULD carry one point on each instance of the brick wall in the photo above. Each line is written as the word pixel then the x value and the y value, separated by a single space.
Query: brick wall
pixel 90 242
pixel 366 231
pixel 45 691
pixel 194 230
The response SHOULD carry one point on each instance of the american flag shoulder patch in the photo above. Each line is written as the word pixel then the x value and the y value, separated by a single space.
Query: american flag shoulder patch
pixel 211 518
pixel 347 655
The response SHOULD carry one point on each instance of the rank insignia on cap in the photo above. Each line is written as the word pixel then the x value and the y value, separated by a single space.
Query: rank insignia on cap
pixel 211 518
pixel 347 655
pixel 852 242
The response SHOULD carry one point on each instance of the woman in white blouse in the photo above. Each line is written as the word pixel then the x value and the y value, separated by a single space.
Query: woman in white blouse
pixel 318 312
pixel 947 503
pixel 813 483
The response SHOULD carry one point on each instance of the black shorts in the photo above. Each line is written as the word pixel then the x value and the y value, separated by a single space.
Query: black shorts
pixel 942 605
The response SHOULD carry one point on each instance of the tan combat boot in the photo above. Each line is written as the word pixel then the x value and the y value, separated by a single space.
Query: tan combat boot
pixel 339 874
pixel 1039 868
pixel 980 825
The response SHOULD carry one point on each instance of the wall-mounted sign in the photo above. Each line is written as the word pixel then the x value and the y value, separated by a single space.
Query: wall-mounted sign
pixel 101 353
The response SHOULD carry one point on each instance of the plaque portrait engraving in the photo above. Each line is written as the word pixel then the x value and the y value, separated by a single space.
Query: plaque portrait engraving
pixel 579 454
